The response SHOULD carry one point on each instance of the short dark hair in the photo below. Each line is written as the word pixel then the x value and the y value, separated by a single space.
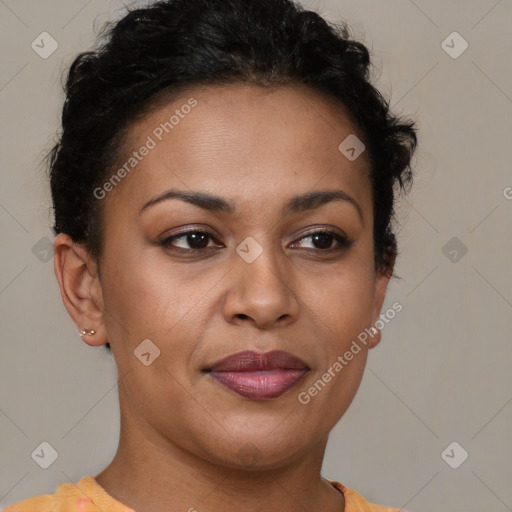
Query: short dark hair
pixel 173 45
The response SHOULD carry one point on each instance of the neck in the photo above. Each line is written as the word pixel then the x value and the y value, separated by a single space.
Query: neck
pixel 151 474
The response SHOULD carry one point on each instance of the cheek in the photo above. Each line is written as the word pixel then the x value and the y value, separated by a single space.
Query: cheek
pixel 148 296
pixel 341 302
pixel 138 297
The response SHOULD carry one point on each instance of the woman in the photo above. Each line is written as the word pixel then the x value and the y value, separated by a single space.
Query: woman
pixel 223 191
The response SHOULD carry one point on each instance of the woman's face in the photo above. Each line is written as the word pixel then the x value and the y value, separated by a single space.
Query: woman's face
pixel 253 278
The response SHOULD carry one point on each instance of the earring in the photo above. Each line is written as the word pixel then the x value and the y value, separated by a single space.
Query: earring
pixel 89 333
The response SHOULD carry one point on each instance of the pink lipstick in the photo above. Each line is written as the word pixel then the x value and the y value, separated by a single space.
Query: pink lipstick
pixel 259 376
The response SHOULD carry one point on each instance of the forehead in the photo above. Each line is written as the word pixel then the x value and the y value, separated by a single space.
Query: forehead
pixel 241 141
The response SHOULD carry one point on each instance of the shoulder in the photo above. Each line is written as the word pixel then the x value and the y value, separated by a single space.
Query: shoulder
pixel 34 504
pixel 354 502
pixel 85 496
pixel 66 497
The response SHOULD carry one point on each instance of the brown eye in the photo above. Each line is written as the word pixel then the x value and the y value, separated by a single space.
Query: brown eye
pixel 323 241
pixel 196 240
pixel 199 240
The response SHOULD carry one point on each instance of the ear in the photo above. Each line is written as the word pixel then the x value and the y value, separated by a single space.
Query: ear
pixel 381 284
pixel 80 288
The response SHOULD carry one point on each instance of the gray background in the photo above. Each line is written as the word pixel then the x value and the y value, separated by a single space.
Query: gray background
pixel 442 371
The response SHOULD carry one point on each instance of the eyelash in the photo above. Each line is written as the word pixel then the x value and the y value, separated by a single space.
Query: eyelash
pixel 344 243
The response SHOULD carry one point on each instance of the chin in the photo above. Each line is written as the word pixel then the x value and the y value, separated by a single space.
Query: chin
pixel 259 453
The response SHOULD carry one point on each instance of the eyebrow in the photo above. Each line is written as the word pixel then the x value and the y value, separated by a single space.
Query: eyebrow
pixel 296 204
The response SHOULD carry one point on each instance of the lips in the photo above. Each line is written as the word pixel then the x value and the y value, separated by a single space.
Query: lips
pixel 259 376
pixel 252 361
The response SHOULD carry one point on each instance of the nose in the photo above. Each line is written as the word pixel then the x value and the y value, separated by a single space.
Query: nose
pixel 261 292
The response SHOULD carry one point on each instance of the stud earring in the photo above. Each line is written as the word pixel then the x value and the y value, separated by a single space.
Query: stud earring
pixel 89 333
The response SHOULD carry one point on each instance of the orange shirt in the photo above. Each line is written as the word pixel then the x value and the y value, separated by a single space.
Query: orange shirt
pixel 88 496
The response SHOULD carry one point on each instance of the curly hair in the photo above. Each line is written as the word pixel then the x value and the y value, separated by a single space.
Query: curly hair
pixel 172 45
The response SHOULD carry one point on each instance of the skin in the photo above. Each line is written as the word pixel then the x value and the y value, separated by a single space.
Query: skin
pixel 182 433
